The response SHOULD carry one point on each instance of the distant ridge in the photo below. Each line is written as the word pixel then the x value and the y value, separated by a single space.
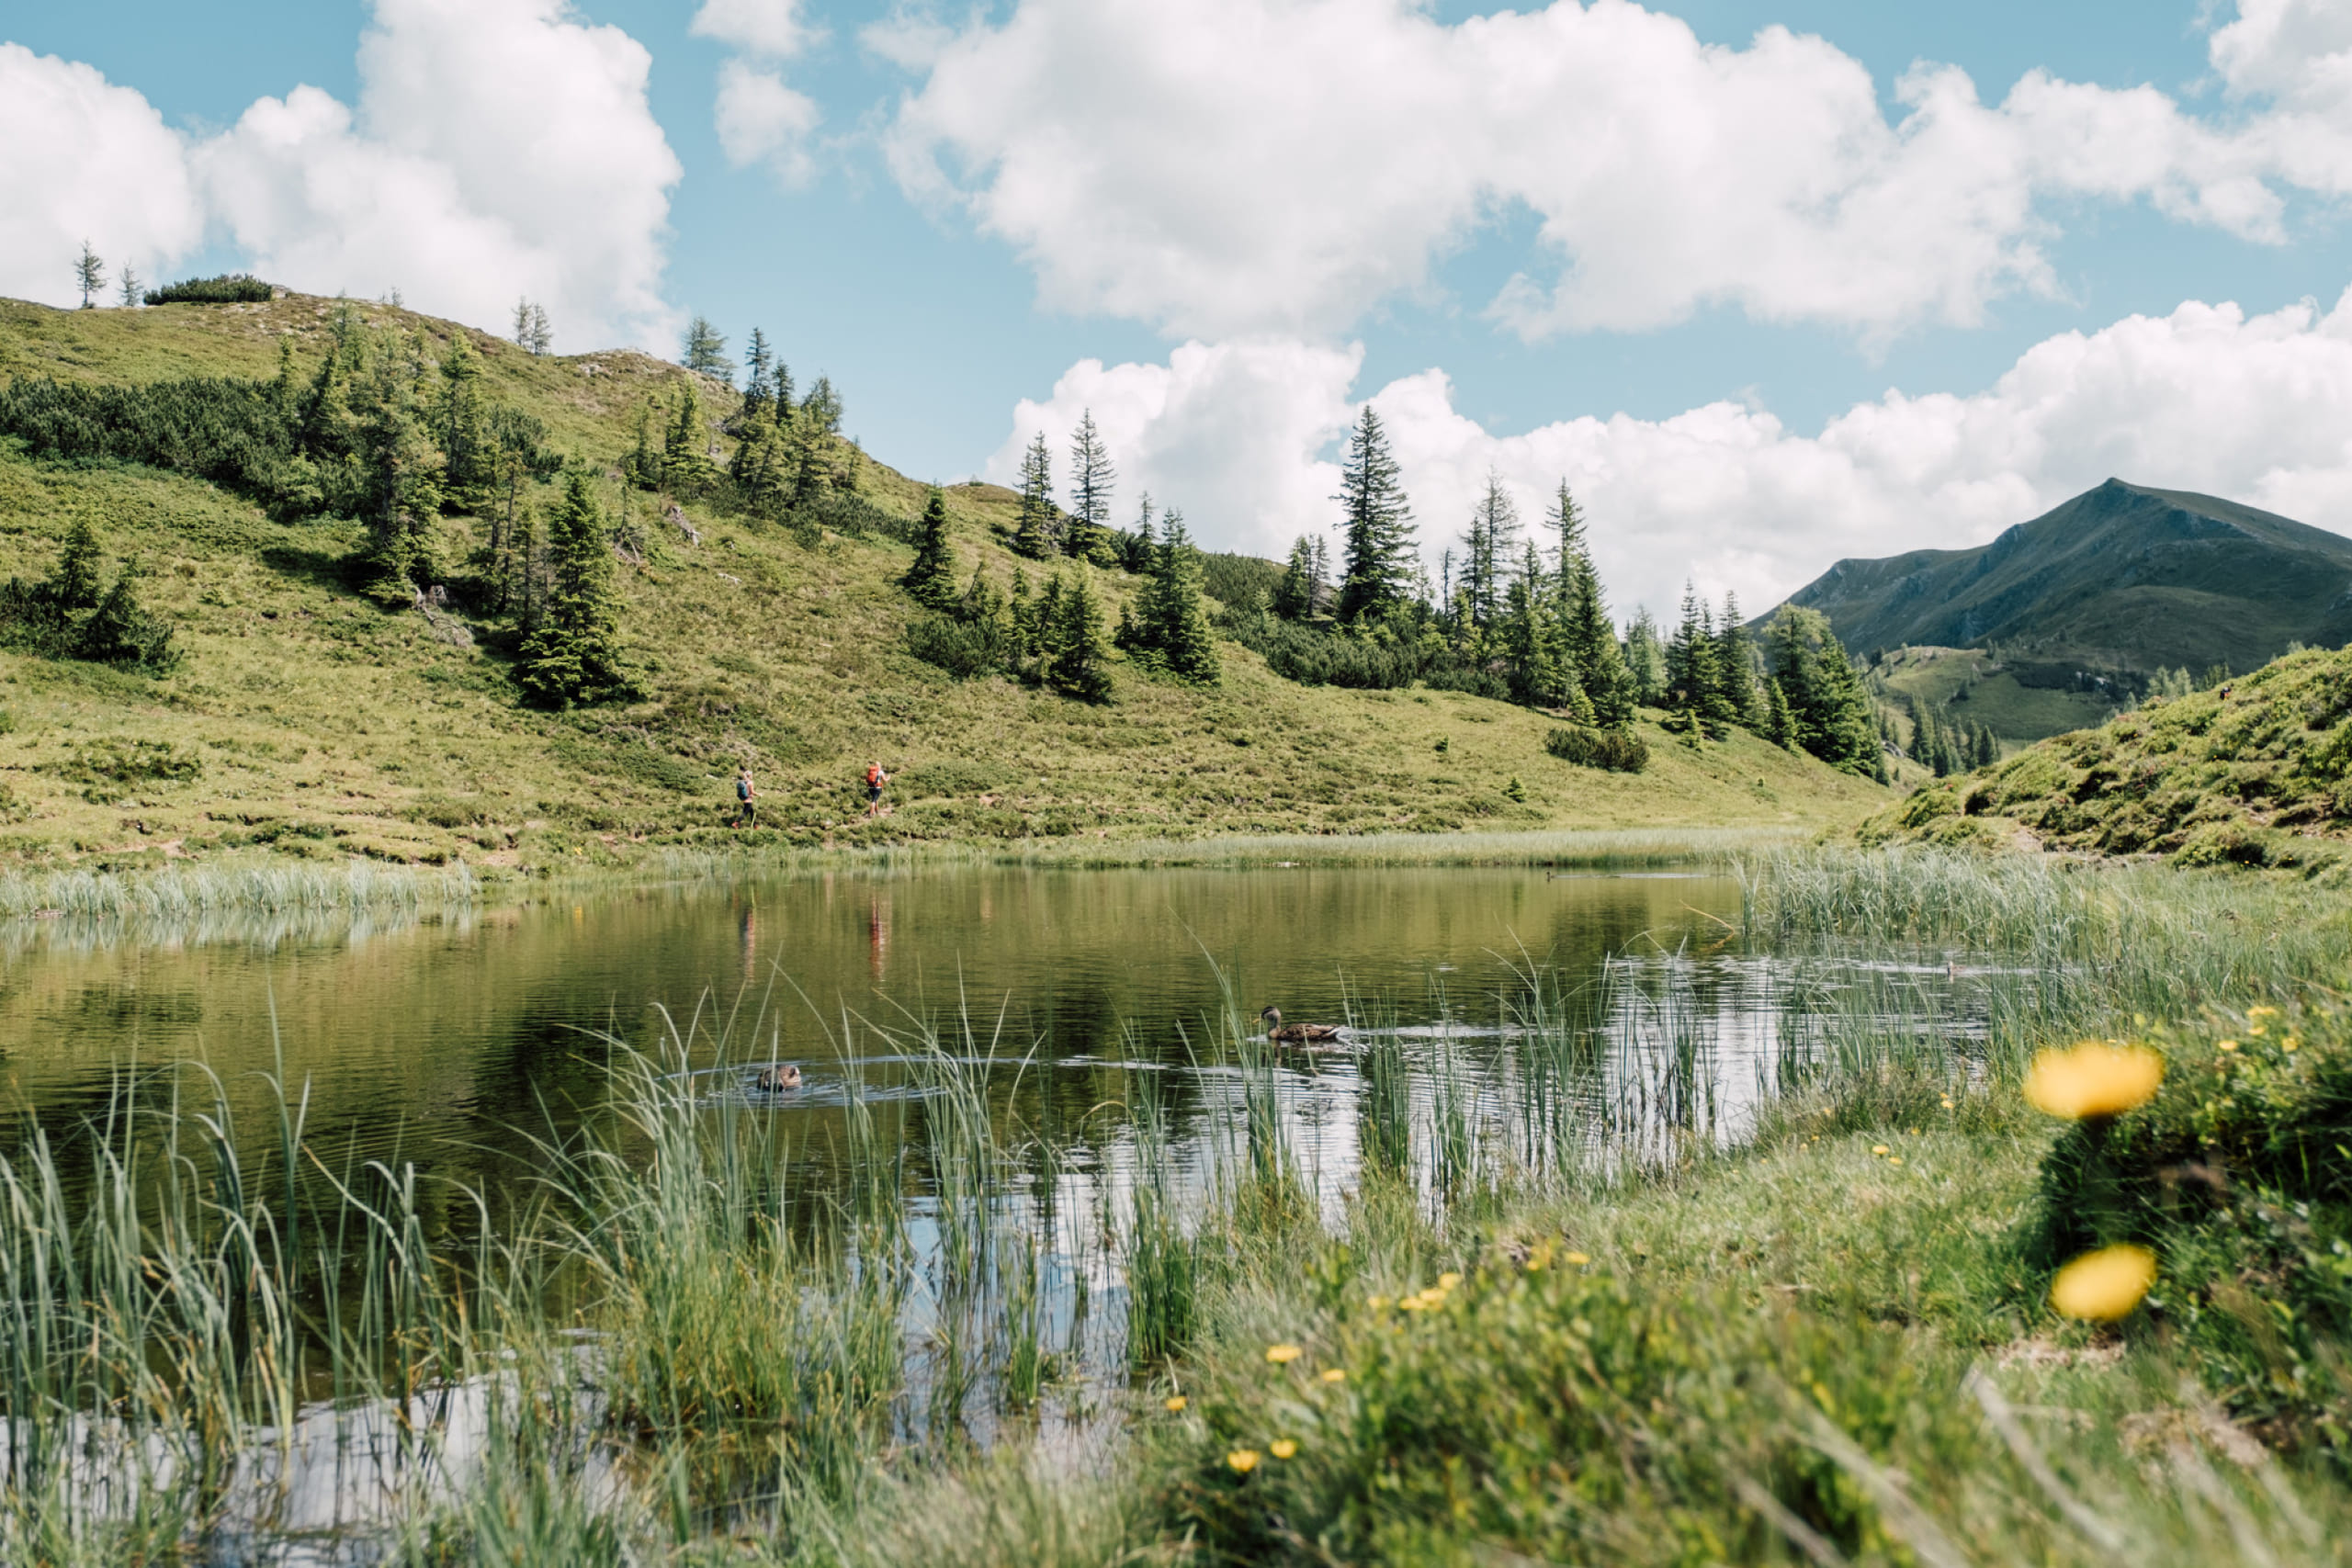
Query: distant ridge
pixel 2121 578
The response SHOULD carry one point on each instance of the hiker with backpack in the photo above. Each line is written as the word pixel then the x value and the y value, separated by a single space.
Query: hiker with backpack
pixel 746 813
pixel 874 779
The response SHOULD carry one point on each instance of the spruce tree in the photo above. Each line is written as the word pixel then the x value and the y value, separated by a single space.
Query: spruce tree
pixel 1377 519
pixel 1079 662
pixel 1694 670
pixel 90 274
pixel 573 656
pixel 131 287
pixel 758 390
pixel 1033 536
pixel 1780 725
pixel 1295 594
pixel 931 578
pixel 1832 715
pixel 1735 673
pixel 400 480
pixel 1175 623
pixel 71 585
pixel 1091 478
pixel 467 469
pixel 1526 633
pixel 1486 551
pixel 1645 659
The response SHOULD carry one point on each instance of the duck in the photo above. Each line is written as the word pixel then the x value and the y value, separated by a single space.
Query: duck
pixel 777 1078
pixel 1296 1033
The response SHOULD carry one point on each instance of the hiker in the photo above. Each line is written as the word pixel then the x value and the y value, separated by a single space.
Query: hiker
pixel 874 779
pixel 746 814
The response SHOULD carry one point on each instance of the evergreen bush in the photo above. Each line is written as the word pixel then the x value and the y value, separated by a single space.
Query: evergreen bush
pixel 1612 750
pixel 229 289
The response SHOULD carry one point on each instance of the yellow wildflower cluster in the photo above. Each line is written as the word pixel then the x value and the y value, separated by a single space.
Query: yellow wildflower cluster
pixel 2104 1285
pixel 1283 1355
pixel 1432 1298
pixel 2097 1077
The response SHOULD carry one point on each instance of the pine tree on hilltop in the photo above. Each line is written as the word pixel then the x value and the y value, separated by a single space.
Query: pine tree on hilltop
pixel 130 287
pixel 90 274
pixel 1486 550
pixel 1033 536
pixel 1091 478
pixel 757 390
pixel 573 656
pixel 1377 519
pixel 931 578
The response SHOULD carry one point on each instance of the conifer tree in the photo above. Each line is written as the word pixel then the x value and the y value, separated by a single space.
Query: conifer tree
pixel 1377 519
pixel 1487 552
pixel 399 478
pixel 131 287
pixel 1091 478
pixel 1780 724
pixel 458 424
pixel 1695 671
pixel 1034 535
pixel 1528 635
pixel 90 274
pixel 757 389
pixel 931 578
pixel 1645 659
pixel 1295 594
pixel 1080 660
pixel 73 583
pixel 1174 627
pixel 1022 615
pixel 574 655
pixel 706 351
pixel 1831 713
pixel 686 467
pixel 1734 670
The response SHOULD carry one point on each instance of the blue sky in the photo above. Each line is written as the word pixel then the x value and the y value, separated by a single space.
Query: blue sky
pixel 958 316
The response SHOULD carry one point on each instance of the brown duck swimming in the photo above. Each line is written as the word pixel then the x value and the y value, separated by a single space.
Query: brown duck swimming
pixel 1296 1033
pixel 777 1078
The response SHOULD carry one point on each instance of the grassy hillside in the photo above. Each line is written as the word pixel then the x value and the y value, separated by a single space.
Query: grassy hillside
pixel 307 717
pixel 2260 776
pixel 2122 581
pixel 1972 685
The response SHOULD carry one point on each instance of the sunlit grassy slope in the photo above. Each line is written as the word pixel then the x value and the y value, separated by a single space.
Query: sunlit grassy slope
pixel 324 724
pixel 2262 776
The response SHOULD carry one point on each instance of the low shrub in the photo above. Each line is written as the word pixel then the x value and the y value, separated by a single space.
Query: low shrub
pixel 1612 750
pixel 961 647
pixel 229 289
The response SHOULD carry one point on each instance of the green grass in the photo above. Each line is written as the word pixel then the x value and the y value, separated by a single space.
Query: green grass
pixel 1624 1343
pixel 321 726
pixel 2257 778
pixel 1980 689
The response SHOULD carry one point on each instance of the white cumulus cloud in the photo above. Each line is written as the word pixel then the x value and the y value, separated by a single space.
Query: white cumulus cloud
pixel 760 119
pixel 1245 167
pixel 2257 409
pixel 770 28
pixel 499 148
pixel 84 159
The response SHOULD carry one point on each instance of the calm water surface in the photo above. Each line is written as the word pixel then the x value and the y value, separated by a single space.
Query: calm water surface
pixel 438 1041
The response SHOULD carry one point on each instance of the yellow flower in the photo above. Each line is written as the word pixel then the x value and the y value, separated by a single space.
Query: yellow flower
pixel 2262 1012
pixel 2258 1029
pixel 1896 1160
pixel 1447 1281
pixel 1948 1103
pixel 2094 1078
pixel 1377 1304
pixel 2104 1285
pixel 1335 1374
pixel 1577 1258
pixel 1539 1257
pixel 2229 1044
pixel 1243 1460
pixel 1283 1355
pixel 1878 1148
pixel 1283 1448
pixel 1175 1402
pixel 2290 1044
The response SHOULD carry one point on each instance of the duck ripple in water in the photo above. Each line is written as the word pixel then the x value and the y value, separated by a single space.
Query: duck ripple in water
pixel 777 1078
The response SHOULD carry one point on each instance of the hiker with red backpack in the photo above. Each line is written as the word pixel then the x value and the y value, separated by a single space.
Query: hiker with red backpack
pixel 874 779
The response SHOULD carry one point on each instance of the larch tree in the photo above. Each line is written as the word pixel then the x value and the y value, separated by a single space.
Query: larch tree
pixel 706 351
pixel 131 287
pixel 90 274
pixel 1377 520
